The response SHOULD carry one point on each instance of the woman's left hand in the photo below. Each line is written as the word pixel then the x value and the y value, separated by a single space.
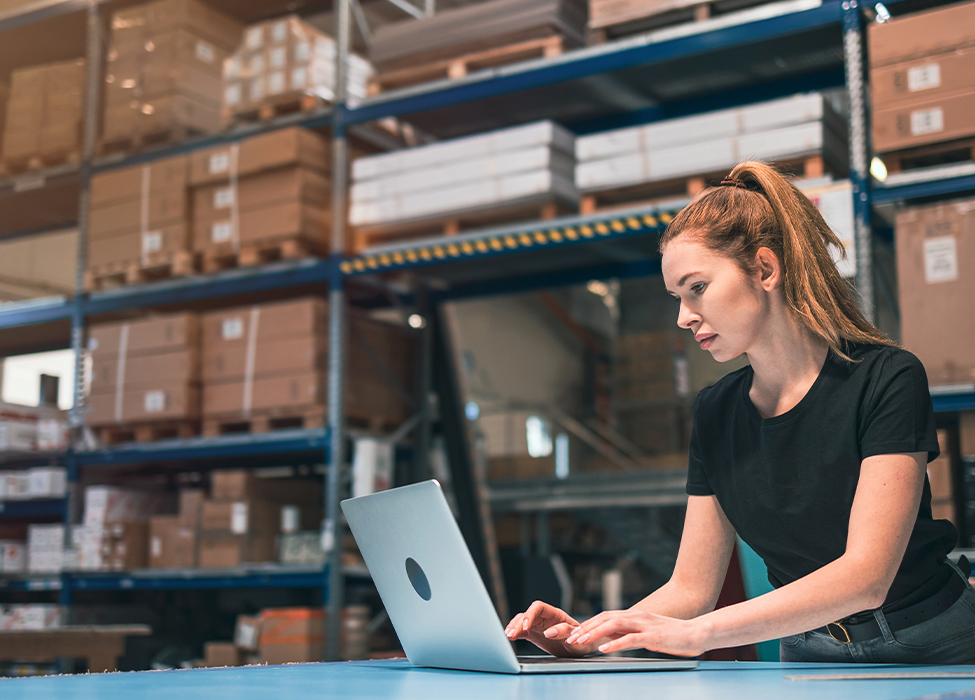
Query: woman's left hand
pixel 631 629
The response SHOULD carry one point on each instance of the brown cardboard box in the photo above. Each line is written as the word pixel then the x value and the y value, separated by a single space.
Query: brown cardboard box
pixel 162 208
pixel 264 189
pixel 292 634
pixel 247 634
pixel 162 369
pixel 225 551
pixel 222 654
pixel 44 111
pixel 232 485
pixel 940 118
pixel 158 115
pixel 162 402
pixel 295 391
pixel 922 34
pixel 253 517
pixel 298 354
pixel 289 319
pixel 966 427
pixel 191 508
pixel 148 336
pixel 939 475
pixel 133 26
pixel 935 259
pixel 923 78
pixel 131 245
pixel 280 221
pixel 521 467
pixel 171 546
pixel 122 184
pixel 242 485
pixel 128 546
pixel 275 149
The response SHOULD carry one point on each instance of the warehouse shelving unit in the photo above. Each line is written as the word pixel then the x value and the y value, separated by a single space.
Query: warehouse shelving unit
pixel 763 53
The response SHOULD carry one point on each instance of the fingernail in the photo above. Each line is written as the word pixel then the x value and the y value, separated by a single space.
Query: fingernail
pixel 549 632
pixel 604 647
pixel 584 638
pixel 526 625
pixel 571 640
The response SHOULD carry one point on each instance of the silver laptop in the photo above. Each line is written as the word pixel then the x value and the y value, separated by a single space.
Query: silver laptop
pixel 434 595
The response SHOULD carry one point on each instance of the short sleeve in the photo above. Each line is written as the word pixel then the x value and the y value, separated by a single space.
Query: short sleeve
pixel 898 416
pixel 697 480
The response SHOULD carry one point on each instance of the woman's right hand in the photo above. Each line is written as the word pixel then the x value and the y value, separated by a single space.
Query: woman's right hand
pixel 547 627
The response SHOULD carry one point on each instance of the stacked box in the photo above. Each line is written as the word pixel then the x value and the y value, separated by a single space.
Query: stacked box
pixel 13 557
pixel 495 169
pixel 120 546
pixel 271 360
pixel 935 256
pixel 139 213
pixel 288 635
pixel 271 187
pixel 715 142
pixel 45 549
pixel 31 616
pixel 164 68
pixel 29 428
pixel 44 112
pixel 922 78
pixel 287 57
pixel 145 371
pixel 222 654
pixel 171 544
pixel 107 505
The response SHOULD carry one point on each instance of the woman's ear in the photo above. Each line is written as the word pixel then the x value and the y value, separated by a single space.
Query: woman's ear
pixel 769 269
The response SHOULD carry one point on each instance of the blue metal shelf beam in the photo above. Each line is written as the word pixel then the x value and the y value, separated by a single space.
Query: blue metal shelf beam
pixel 33 508
pixel 949 403
pixel 197 580
pixel 920 190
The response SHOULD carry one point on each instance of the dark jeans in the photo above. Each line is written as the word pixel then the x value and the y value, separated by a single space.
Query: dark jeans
pixel 948 638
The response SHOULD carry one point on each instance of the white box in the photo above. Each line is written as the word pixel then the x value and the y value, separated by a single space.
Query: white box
pixel 13 557
pixel 18 435
pixel 52 434
pixel 462 149
pixel 32 616
pixel 14 486
pixel 112 504
pixel 44 537
pixel 48 482
pixel 45 561
pixel 835 203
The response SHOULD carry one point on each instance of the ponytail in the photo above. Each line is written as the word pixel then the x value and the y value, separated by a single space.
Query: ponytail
pixel 755 207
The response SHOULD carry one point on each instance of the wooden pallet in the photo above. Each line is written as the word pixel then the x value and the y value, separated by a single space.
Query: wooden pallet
pixel 273 107
pixel 641 16
pixel 147 432
pixel 945 153
pixel 462 65
pixel 380 234
pixel 655 192
pixel 223 256
pixel 141 142
pixel 156 266
pixel 19 166
pixel 265 420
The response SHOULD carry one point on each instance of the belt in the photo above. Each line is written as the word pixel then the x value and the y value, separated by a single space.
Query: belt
pixel 847 631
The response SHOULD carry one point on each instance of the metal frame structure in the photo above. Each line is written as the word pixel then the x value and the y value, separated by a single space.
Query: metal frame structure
pixel 500 260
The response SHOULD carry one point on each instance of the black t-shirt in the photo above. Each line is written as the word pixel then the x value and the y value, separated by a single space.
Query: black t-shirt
pixel 787 483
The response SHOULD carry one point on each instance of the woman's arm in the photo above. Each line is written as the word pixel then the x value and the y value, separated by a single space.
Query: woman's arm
pixel 884 511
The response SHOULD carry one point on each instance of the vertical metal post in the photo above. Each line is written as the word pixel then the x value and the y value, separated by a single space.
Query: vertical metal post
pixel 336 343
pixel 859 154
pixel 429 7
pixel 421 450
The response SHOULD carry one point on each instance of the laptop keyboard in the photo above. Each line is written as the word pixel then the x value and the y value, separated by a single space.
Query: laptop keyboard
pixel 527 660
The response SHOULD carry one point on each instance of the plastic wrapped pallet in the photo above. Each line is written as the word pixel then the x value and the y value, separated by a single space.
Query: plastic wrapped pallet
pixel 494 169
pixel 284 59
pixel 43 112
pixel 164 69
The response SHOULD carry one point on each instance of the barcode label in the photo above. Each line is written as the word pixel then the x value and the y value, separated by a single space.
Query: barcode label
pixel 940 259
pixel 238 519
pixel 221 232
pixel 219 162
pixel 299 78
pixel 255 37
pixel 279 56
pixel 155 401
pixel 302 52
pixel 924 77
pixel 279 32
pixel 204 52
pixel 232 328
pixel 151 242
pixel 275 83
pixel 927 121
pixel 231 96
pixel 223 198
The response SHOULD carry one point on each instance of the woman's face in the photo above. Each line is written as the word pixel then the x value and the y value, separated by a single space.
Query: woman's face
pixel 723 306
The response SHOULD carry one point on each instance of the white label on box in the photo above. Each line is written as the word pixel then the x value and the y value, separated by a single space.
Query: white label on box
pixel 940 259
pixel 255 37
pixel 223 198
pixel 276 83
pixel 290 518
pixel 927 121
pixel 219 162
pixel 231 68
pixel 155 546
pixel 279 32
pixel 257 89
pixel 924 77
pixel 204 52
pixel 246 636
pixel 221 232
pixel 232 328
pixel 238 518
pixel 155 401
pixel 232 94
pixel 299 78
pixel 278 57
pixel 256 65
pixel 151 242
pixel 302 52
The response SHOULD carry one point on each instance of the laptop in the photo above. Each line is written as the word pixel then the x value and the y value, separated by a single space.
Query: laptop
pixel 434 594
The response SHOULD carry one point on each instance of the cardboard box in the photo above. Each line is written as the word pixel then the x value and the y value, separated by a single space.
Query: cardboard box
pixel 966 433
pixel 290 220
pixel 915 123
pixel 171 546
pixel 160 209
pixel 297 354
pixel 247 634
pixel 44 111
pixel 243 517
pixel 122 184
pixel 114 504
pixel 222 654
pixel 148 336
pixel 158 115
pixel 133 26
pixel 275 149
pixel 292 635
pixel 243 485
pixel 230 329
pixel 220 550
pixel 152 403
pixel 191 507
pixel 264 189
pixel 939 476
pixel 145 372
pixel 921 34
pixel 47 482
pixel 935 259
pixel 923 78
pixel 296 391
pixel 13 557
pixel 133 244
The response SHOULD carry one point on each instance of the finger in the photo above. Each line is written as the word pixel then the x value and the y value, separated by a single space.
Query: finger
pixel 627 641
pixel 535 612
pixel 559 631
pixel 514 626
pixel 611 627
pixel 589 625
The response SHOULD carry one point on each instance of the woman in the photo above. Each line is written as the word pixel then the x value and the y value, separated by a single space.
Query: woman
pixel 814 454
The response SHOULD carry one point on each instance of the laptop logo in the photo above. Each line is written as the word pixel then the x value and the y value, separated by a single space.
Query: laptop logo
pixel 418 579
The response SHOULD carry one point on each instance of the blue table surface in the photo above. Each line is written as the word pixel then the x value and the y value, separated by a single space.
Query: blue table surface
pixel 398 679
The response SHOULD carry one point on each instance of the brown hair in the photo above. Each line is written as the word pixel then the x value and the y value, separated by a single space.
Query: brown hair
pixel 755 207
